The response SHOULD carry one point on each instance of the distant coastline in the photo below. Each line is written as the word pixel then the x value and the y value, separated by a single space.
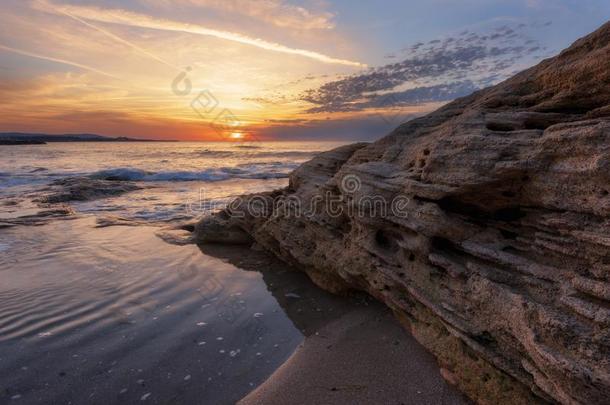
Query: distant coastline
pixel 21 142
pixel 19 138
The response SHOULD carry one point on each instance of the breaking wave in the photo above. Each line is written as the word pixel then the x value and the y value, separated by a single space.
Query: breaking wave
pixel 274 170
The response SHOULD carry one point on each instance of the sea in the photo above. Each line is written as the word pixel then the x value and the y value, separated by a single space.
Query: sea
pixel 101 299
pixel 176 180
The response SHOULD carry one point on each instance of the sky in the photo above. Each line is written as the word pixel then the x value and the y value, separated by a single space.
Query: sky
pixel 266 69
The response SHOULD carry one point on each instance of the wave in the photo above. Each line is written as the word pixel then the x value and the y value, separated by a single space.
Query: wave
pixel 247 147
pixel 276 170
pixel 215 153
pixel 265 154
pixel 287 154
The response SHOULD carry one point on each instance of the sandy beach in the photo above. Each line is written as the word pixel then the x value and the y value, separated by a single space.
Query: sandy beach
pixel 362 357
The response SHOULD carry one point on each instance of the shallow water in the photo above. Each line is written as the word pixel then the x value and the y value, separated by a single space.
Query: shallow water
pixel 106 315
pixel 116 314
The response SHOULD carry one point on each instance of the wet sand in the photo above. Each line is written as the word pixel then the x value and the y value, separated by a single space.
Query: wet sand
pixel 355 351
pixel 116 315
pixel 363 357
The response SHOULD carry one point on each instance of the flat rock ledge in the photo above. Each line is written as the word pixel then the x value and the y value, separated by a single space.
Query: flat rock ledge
pixel 485 227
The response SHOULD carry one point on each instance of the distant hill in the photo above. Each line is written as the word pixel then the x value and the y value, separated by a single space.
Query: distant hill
pixel 21 142
pixel 22 138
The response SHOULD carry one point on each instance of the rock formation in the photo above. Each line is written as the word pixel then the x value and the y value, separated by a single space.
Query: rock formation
pixel 84 189
pixel 493 246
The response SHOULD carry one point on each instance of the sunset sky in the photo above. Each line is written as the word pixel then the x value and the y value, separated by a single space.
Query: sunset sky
pixel 271 69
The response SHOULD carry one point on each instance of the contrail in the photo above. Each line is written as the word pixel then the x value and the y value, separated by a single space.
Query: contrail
pixel 124 17
pixel 111 35
pixel 57 60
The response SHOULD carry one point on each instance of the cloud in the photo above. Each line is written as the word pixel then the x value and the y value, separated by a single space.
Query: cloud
pixel 132 19
pixel 438 70
pixel 276 12
pixel 118 39
pixel 412 97
pixel 57 60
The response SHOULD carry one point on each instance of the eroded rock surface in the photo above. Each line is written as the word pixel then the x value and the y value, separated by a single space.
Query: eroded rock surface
pixel 497 255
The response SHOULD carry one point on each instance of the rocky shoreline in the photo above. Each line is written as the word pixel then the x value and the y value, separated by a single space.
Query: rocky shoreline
pixel 484 226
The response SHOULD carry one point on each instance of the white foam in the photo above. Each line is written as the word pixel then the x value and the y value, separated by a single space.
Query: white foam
pixel 273 170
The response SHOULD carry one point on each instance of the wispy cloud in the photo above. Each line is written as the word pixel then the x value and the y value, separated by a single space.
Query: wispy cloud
pixel 57 60
pixel 132 19
pixel 119 39
pixel 277 12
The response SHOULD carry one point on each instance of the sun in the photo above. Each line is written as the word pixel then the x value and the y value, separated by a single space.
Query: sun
pixel 236 135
